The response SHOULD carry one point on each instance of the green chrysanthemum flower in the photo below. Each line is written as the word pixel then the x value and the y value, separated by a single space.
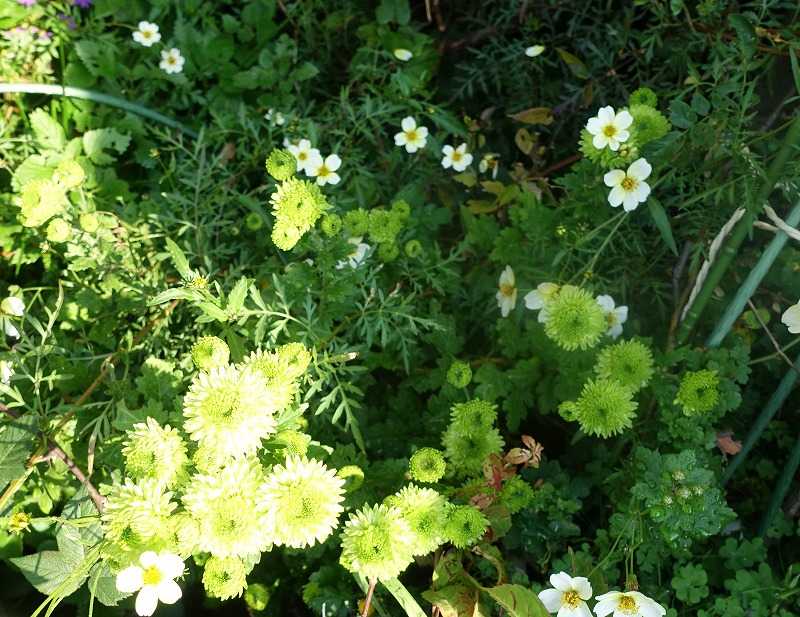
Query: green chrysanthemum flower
pixel 377 542
pixel 356 222
pixel 474 415
pixel 210 352
pixel 401 208
pixel 294 358
pixel 516 494
pixel 468 451
pixel 425 511
pixel 353 477
pixel 413 248
pixel 574 319
pixel 605 408
pixel 183 534
pixel 629 362
pixel 643 96
pixel 648 124
pixel 277 377
pixel 459 374
pixel 331 225
pixel 224 506
pixel 285 236
pixel 229 411
pixel 253 221
pixel 427 465
pixel 388 252
pixel 291 442
pixel 465 526
pixel 698 392
pixel 224 577
pixel 153 452
pixel 300 502
pixel 296 204
pixel 136 512
pixel 281 164
pixel 384 225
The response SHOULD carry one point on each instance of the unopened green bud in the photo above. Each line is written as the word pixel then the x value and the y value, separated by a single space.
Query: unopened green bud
pixel 413 248
pixel 210 352
pixel 459 374
pixel 253 221
pixel 256 597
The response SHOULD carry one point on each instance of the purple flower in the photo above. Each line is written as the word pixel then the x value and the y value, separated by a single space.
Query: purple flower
pixel 83 4
pixel 69 20
pixel 27 2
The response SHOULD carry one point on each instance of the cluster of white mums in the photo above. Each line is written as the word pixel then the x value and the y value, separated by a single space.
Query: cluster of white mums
pixel 538 299
pixel 311 162
pixel 147 35
pixel 569 595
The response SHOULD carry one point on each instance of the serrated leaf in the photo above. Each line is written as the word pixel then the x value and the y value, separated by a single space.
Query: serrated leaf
pixel 103 584
pixel 48 132
pixel 179 260
pixel 458 600
pixel 661 220
pixel 213 311
pixel 745 34
pixel 175 293
pixel 34 167
pixel 534 115
pixel 237 296
pixel 16 444
pixel 49 570
pixel 98 143
pixel 519 601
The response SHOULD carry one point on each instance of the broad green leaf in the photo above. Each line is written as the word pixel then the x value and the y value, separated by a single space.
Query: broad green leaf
pixel 745 34
pixel 16 445
pixel 396 11
pixel 458 600
pixel 98 143
pixel 34 167
pixel 404 598
pixel 48 132
pixel 104 585
pixel 176 293
pixel 519 601
pixel 213 311
pixel 49 570
pixel 179 260
pixel 661 220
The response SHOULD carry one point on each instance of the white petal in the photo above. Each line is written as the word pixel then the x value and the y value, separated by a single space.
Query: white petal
pixel 170 565
pixel 13 306
pixel 333 162
pixel 467 160
pixel 507 277
pixel 10 329
pixel 422 131
pixel 333 178
pixel 607 302
pixel 606 114
pixel 568 611
pixel 561 581
pixel 533 300
pixel 605 606
pixel 583 610
pixel 594 126
pixel 630 203
pixel 408 123
pixel 446 162
pixel 147 601
pixel 614 331
pixel 640 169
pixel 600 141
pixel 791 318
pixel 448 150
pixel 304 144
pixel 462 149
pixel 169 592
pixel 621 313
pixel 551 598
pixel 412 147
pixel 400 139
pixel 130 579
pixel 148 559
pixel 543 315
pixel 622 135
pixel 616 196
pixel 623 120
pixel 614 177
pixel 613 143
pixel 582 585
pixel 641 191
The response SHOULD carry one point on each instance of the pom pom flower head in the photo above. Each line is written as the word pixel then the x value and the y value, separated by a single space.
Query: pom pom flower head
pixel 412 137
pixel 574 319
pixel 698 392
pixel 629 362
pixel 296 204
pixel 427 465
pixel 210 352
pixel 609 128
pixel 627 604
pixel 155 452
pixel 459 374
pixel 507 291
pixel 154 579
pixel 377 542
pixel 568 596
pixel 281 164
pixel 628 188
pixel 425 512
pixel 465 525
pixel 300 502
pixel 604 408
pixel 136 513
pixel 224 577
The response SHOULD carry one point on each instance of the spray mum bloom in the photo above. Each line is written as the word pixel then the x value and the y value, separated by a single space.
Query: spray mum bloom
pixel 154 579
pixel 228 411
pixel 568 596
pixel 627 604
pixel 155 452
pixel 459 374
pixel 698 392
pixel 300 502
pixel 427 465
pixel 278 374
pixel 210 352
pixel 425 511
pixel 474 416
pixel 377 542
pixel 604 408
pixel 296 205
pixel 575 320
pixel 224 577
pixel 467 451
pixel 281 164
pixel 136 512
pixel 465 525
pixel 629 362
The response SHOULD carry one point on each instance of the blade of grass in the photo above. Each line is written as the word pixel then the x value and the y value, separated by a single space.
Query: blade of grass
pixel 404 598
pixel 781 488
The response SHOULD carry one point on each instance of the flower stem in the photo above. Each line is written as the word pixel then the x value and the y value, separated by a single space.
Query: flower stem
pixel 368 599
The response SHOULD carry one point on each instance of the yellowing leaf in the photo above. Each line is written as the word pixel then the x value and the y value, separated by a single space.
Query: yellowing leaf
pixel 534 115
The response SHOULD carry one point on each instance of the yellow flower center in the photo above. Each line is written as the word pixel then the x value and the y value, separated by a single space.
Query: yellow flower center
pixel 146 34
pixel 571 599
pixel 411 135
pixel 609 130
pixel 628 183
pixel 627 604
pixel 171 60
pixel 302 155
pixel 323 171
pixel 507 290
pixel 457 156
pixel 152 576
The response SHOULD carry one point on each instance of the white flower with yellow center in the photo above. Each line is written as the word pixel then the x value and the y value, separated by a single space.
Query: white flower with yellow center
pixel 457 158
pixel 306 156
pixel 154 579
pixel 12 306
pixel 171 61
pixel 791 318
pixel 275 117
pixel 534 50
pixel 413 137
pixel 609 128
pixel 537 299
pixel 490 162
pixel 325 170
pixel 146 34
pixel 627 604
pixel 403 55
pixel 356 256
pixel 507 292
pixel 6 372
pixel 628 188
pixel 568 596
pixel 615 315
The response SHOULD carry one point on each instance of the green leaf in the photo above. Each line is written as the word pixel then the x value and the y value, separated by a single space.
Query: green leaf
pixel 47 131
pixel 661 220
pixel 49 570
pixel 98 142
pixel 700 104
pixel 519 601
pixel 459 600
pixel 745 34
pixel 396 11
pixel 305 72
pixel 681 115
pixel 176 293
pixel 34 167
pixel 404 598
pixel 179 260
pixel 104 585
pixel 237 296
pixel 213 311
pixel 16 445
pixel 795 68
pixel 574 63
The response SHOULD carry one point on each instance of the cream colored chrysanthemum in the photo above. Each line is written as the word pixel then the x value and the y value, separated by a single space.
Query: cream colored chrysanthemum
pixel 300 502
pixel 425 511
pixel 229 411
pixel 377 542
pixel 137 511
pixel 156 452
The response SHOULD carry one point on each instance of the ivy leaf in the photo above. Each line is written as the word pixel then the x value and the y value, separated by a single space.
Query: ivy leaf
pixel 519 601
pixel 98 142
pixel 16 445
pixel 47 131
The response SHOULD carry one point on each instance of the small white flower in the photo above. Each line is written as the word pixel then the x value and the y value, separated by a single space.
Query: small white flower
pixel 457 158
pixel 403 55
pixel 171 61
pixel 10 329
pixel 12 306
pixel 490 161
pixel 325 170
pixel 413 137
pixel 615 315
pixel 627 604
pixel 609 128
pixel 275 117
pixel 6 372
pixel 568 596
pixel 629 188
pixel 146 34
pixel 357 256
pixel 534 50
pixel 537 299
pixel 154 580
pixel 507 292
pixel 791 318
pixel 307 157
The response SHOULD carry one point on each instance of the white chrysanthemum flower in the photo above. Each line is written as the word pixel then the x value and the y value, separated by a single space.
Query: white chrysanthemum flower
pixel 534 50
pixel 490 162
pixel 171 61
pixel 146 34
pixel 791 318
pixel 628 188
pixel 137 511
pixel 6 372
pixel 537 299
pixel 413 137
pixel 224 505
pixel 609 128
pixel 156 452
pixel 12 306
pixel 615 315
pixel 507 292
pixel 301 501
pixel 377 542
pixel 275 117
pixel 568 596
pixel 404 55
pixel 307 157
pixel 425 511
pixel 457 158
pixel 229 411
pixel 627 604
pixel 325 170
pixel 356 256
pixel 154 579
